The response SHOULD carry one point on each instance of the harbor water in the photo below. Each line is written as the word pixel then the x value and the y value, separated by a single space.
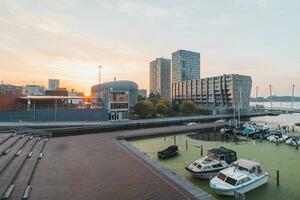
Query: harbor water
pixel 273 157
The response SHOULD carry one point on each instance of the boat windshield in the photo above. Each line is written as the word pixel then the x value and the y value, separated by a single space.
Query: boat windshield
pixel 222 176
pixel 231 181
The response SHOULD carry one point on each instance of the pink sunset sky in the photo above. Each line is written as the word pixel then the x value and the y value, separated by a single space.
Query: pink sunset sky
pixel 68 39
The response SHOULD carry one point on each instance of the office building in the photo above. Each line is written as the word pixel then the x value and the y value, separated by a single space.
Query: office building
pixel 53 84
pixel 118 97
pixel 185 66
pixel 160 75
pixel 220 92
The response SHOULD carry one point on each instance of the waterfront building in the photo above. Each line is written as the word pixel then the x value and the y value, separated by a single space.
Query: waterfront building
pixel 143 93
pixel 10 89
pixel 118 97
pixel 219 93
pixel 34 90
pixel 185 65
pixel 53 84
pixel 160 77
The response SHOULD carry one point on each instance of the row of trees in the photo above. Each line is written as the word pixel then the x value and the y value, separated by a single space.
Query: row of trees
pixel 161 107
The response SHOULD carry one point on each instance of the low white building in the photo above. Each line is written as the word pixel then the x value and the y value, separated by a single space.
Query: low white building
pixel 34 90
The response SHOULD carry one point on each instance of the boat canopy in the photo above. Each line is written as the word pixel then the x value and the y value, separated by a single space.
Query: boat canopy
pixel 224 154
pixel 250 165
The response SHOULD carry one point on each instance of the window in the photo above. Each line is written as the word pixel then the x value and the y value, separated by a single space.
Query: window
pixel 206 167
pixel 244 180
pixel 217 166
pixel 221 176
pixel 230 181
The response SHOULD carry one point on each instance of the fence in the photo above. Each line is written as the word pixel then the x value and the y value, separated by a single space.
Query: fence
pixel 54 115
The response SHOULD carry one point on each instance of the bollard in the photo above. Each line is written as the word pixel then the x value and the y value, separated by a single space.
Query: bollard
pixel 260 137
pixel 186 145
pixel 174 139
pixel 277 177
pixel 297 145
pixel 201 150
pixel 276 141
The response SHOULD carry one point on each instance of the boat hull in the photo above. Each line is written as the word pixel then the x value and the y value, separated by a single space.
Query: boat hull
pixel 203 175
pixel 245 189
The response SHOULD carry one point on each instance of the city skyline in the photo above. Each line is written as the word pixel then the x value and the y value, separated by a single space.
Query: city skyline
pixel 40 41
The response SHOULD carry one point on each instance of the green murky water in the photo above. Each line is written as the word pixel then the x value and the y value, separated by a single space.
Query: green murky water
pixel 282 157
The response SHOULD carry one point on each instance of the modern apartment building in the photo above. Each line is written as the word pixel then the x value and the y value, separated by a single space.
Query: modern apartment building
pixel 185 66
pixel 223 92
pixel 160 77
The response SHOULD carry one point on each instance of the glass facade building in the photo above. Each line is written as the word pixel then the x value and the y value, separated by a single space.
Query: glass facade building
pixel 185 66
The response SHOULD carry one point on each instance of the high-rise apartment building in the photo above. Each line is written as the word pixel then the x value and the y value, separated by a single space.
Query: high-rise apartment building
pixel 160 77
pixel 53 84
pixel 185 65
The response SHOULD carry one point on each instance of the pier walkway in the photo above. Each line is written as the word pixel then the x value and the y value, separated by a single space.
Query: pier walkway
pixel 96 166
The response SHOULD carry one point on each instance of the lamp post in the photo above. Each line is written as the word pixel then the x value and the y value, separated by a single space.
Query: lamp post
pixel 99 87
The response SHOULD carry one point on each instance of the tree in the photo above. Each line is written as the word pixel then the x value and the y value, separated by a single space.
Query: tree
pixel 176 106
pixel 162 109
pixel 188 107
pixel 140 98
pixel 145 109
pixel 154 96
pixel 168 104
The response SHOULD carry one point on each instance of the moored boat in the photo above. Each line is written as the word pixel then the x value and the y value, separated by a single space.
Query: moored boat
pixel 242 175
pixel 168 152
pixel 209 166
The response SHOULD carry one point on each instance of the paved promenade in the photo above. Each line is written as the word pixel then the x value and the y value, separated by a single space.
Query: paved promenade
pixel 97 166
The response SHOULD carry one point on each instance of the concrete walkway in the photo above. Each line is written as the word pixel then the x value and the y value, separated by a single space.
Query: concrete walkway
pixel 97 166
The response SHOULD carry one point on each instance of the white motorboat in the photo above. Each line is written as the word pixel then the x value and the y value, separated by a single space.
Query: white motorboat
pixel 294 141
pixel 216 160
pixel 242 176
pixel 277 135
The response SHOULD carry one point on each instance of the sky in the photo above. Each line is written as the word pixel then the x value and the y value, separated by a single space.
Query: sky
pixel 68 39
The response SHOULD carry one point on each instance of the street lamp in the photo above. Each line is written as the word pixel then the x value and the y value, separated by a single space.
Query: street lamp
pixel 99 87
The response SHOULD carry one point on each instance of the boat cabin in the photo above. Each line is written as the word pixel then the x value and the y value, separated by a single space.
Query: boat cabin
pixel 248 166
pixel 222 153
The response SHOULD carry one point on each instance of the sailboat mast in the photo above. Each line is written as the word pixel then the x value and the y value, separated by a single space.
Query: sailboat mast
pixel 293 94
pixel 271 100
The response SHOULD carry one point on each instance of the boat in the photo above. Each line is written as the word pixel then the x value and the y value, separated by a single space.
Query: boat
pixel 168 152
pixel 280 135
pixel 216 160
pixel 249 131
pixel 242 176
pixel 294 141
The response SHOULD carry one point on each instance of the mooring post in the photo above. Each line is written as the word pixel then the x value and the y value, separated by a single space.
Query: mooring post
pixel 260 137
pixel 201 150
pixel 297 145
pixel 277 177
pixel 186 145
pixel 174 139
pixel 276 141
